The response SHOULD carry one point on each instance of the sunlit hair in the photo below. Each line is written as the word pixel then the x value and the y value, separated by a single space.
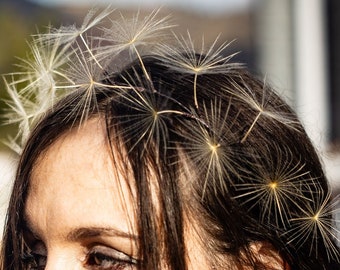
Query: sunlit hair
pixel 224 151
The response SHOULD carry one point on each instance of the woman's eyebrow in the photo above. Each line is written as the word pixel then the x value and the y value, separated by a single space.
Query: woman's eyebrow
pixel 82 233
pixel 91 232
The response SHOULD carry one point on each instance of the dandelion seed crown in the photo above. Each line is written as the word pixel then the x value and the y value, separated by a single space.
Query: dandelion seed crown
pixel 70 59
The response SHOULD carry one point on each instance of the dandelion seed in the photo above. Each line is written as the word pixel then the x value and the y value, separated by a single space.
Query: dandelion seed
pixel 185 59
pixel 131 34
pixel 315 226
pixel 262 105
pixel 69 34
pixel 209 144
pixel 22 111
pixel 41 72
pixel 278 183
pixel 144 114
pixel 86 76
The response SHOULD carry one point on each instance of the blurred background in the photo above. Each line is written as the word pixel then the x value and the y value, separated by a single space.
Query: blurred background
pixel 291 43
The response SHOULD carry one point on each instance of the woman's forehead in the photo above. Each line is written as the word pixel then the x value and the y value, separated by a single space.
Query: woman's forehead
pixel 82 153
pixel 76 177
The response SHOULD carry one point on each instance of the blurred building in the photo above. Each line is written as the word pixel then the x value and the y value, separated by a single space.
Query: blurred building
pixel 296 44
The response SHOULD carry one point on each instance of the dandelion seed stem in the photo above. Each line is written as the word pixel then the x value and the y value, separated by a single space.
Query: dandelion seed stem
pixel 90 52
pixel 195 90
pixel 141 62
pixel 251 127
pixel 112 86
pixel 62 75
pixel 170 111
pixel 69 86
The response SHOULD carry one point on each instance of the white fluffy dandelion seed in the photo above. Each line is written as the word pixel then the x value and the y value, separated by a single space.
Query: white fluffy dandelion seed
pixel 147 114
pixel 42 71
pixel 262 105
pixel 21 111
pixel 69 34
pixel 132 34
pixel 316 225
pixel 185 58
pixel 209 144
pixel 275 187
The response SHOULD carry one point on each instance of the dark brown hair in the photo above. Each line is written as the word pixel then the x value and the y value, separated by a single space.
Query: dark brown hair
pixel 254 175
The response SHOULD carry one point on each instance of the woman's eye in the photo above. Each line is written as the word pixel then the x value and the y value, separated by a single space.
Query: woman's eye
pixel 110 260
pixel 102 261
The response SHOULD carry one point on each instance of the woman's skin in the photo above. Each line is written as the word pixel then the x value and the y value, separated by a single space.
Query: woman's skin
pixel 79 211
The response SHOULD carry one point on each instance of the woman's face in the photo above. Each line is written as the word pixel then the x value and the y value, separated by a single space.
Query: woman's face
pixel 79 214
pixel 79 211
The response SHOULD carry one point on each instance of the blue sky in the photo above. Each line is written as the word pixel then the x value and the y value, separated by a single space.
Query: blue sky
pixel 198 5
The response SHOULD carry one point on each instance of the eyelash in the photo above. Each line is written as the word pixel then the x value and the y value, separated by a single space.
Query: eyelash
pixel 101 261
pixel 98 258
pixel 95 260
